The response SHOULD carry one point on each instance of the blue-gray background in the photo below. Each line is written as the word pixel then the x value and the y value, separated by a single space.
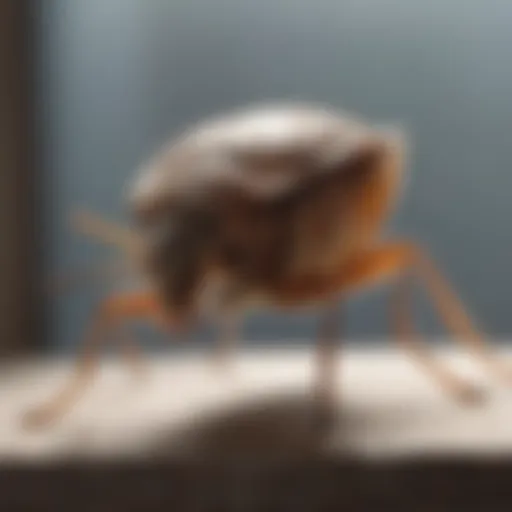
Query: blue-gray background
pixel 116 77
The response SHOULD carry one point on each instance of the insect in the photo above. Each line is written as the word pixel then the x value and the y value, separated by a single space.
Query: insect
pixel 284 205
pixel 279 206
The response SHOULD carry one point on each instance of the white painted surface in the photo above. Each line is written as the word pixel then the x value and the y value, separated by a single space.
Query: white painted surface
pixel 387 407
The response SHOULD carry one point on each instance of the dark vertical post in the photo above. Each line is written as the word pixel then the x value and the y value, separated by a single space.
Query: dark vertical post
pixel 20 314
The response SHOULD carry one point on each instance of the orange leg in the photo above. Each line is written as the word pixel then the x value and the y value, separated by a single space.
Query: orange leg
pixel 394 260
pixel 409 340
pixel 326 355
pixel 112 312
pixel 223 349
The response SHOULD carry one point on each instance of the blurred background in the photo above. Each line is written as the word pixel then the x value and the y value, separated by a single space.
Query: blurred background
pixel 98 85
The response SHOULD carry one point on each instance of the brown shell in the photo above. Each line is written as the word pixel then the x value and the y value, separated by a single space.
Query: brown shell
pixel 263 152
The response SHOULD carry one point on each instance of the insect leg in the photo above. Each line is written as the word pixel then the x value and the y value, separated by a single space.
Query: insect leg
pixel 112 311
pixel 389 260
pixel 456 318
pixel 93 225
pixel 224 346
pixel 409 339
pixel 326 356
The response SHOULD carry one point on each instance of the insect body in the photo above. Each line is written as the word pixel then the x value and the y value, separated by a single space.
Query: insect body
pixel 283 206
pixel 286 204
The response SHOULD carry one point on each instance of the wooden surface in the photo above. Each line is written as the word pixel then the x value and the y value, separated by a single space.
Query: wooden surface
pixel 189 438
pixel 184 407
